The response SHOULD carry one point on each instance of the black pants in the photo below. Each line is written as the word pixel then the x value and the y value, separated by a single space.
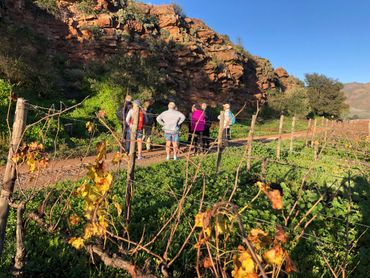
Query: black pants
pixel 206 139
pixel 226 136
pixel 198 141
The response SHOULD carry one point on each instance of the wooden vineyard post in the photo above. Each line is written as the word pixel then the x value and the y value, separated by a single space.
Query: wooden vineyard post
pixel 313 132
pixel 131 164
pixel 326 130
pixel 322 121
pixel 10 174
pixel 308 132
pixel 250 140
pixel 219 141
pixel 292 135
pixel 316 150
pixel 369 130
pixel 278 148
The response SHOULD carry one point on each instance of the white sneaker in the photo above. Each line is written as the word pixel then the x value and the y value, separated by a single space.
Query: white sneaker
pixel 139 157
pixel 175 158
pixel 168 157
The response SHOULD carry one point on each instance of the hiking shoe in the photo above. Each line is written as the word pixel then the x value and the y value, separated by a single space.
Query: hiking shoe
pixel 139 157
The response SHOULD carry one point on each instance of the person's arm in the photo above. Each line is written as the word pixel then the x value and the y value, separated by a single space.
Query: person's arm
pixel 182 119
pixel 129 116
pixel 160 119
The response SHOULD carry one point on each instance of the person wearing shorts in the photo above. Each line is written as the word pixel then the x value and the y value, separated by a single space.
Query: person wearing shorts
pixel 170 121
pixel 140 126
pixel 172 137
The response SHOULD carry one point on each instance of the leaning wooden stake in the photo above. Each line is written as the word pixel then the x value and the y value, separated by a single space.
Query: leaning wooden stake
pixel 131 164
pixel 21 250
pixel 326 130
pixel 313 132
pixel 308 132
pixel 250 140
pixel 316 150
pixel 278 148
pixel 10 170
pixel 219 141
pixel 292 135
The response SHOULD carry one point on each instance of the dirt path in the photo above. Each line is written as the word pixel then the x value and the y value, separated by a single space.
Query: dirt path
pixel 74 169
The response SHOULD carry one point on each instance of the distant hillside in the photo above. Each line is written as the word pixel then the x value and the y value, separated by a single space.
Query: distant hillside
pixel 358 98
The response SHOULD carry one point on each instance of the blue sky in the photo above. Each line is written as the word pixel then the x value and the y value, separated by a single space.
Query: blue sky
pixel 331 37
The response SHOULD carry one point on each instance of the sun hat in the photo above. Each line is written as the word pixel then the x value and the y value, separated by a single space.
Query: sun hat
pixel 137 102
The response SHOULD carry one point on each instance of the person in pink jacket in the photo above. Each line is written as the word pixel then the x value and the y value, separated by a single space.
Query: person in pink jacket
pixel 198 123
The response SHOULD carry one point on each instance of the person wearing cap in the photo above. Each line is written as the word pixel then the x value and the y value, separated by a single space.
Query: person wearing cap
pixel 140 126
pixel 229 120
pixel 170 121
pixel 121 115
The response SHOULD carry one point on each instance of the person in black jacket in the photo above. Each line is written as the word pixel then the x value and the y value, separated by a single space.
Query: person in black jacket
pixel 206 132
pixel 148 124
pixel 121 115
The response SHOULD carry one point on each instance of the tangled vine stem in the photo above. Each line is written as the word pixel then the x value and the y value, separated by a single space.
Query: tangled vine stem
pixel 109 260
pixel 234 209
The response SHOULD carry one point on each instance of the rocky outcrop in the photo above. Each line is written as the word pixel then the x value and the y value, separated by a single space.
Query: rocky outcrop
pixel 200 64
pixel 286 81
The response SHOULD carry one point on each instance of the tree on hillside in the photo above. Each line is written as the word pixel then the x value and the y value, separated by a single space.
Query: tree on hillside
pixel 325 95
pixel 292 102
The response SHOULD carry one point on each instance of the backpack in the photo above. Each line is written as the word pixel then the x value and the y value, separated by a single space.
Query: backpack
pixel 141 122
pixel 232 118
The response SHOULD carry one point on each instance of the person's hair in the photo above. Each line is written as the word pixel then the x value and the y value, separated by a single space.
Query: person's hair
pixel 197 106
pixel 171 105
pixel 146 103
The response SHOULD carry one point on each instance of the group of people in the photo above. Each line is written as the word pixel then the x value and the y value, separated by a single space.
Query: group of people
pixel 170 120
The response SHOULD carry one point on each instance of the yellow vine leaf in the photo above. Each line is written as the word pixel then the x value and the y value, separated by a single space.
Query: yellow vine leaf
pixel 244 265
pixel 274 256
pixel 221 225
pixel 199 220
pixel 118 208
pixel 208 232
pixel 74 219
pixel 117 158
pixel 255 236
pixel 90 127
pixel 31 165
pixel 76 242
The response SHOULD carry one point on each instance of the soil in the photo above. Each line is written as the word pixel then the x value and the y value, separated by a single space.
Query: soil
pixel 74 169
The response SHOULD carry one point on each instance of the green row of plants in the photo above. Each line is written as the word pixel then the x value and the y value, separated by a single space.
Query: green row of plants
pixel 341 217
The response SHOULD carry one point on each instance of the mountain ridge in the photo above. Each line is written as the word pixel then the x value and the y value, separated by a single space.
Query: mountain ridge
pixel 358 98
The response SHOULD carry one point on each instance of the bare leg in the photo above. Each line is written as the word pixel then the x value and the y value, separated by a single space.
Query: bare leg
pixel 168 148
pixel 139 147
pixel 175 148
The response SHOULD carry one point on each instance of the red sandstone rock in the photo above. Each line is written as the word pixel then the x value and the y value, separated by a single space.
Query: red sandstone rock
pixel 281 72
pixel 104 20
pixel 190 65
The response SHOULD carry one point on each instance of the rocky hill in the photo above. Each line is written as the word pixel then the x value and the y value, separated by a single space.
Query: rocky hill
pixel 196 62
pixel 358 99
